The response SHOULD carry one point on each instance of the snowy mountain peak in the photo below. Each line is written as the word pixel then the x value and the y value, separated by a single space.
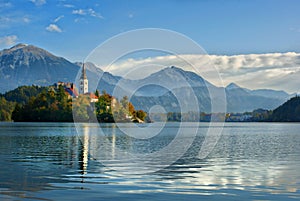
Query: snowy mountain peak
pixel 18 46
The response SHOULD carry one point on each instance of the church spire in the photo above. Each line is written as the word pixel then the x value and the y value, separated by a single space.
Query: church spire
pixel 83 73
pixel 84 83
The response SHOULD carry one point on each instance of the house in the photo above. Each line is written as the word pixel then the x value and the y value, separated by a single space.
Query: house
pixel 69 88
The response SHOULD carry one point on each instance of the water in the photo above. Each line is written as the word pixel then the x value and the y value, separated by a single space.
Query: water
pixel 51 161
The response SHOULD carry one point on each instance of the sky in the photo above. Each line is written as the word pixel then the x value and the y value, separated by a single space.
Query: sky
pixel 227 30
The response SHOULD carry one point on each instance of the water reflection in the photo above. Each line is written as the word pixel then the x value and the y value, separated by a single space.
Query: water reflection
pixel 83 150
pixel 249 160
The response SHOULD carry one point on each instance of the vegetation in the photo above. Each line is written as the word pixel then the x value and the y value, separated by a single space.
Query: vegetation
pixel 109 109
pixel 81 108
pixel 6 109
pixel 288 112
pixel 49 104
pixel 22 94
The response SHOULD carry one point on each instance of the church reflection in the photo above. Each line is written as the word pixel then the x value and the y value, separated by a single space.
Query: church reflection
pixel 103 145
pixel 83 152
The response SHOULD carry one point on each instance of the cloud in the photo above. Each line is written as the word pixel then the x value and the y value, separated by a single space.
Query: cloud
pixel 12 20
pixel 94 13
pixel 5 5
pixel 39 2
pixel 4 19
pixel 250 71
pixel 68 5
pixel 8 40
pixel 53 28
pixel 130 15
pixel 85 12
pixel 58 18
pixel 26 19
pixel 79 12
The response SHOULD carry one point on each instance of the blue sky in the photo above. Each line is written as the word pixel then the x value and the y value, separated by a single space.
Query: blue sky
pixel 75 27
pixel 248 40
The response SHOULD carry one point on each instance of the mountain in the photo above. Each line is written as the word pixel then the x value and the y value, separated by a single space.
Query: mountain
pixel 241 99
pixel 29 65
pixel 238 99
pixel 170 78
pixel 232 86
pixel 98 79
pixel 26 65
pixel 170 87
pixel 270 93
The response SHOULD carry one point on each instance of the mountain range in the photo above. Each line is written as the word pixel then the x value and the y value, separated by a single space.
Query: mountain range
pixel 170 87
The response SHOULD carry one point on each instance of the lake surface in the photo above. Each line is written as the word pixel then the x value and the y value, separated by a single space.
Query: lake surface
pixel 60 161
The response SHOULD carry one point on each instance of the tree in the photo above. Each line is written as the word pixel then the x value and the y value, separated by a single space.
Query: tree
pixel 97 93
pixel 80 108
pixel 104 109
pixel 141 114
pixel 47 106
pixel 6 108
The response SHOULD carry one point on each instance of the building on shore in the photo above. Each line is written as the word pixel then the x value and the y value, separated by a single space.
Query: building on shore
pixel 73 92
pixel 84 85
pixel 69 88
pixel 83 82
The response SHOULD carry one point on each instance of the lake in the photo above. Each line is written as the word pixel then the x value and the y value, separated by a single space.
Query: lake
pixel 61 161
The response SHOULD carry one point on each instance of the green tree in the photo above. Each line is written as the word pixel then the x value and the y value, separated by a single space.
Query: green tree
pixel 6 109
pixel 141 114
pixel 103 108
pixel 81 107
pixel 97 93
pixel 47 106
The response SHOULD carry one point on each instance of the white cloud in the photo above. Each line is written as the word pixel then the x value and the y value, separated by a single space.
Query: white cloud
pixel 68 5
pixel 53 28
pixel 38 2
pixel 26 19
pixel 79 12
pixel 8 40
pixel 89 12
pixel 250 71
pixel 94 13
pixel 58 18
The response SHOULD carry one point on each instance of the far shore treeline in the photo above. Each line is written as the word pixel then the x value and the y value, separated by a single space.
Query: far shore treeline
pixel 46 104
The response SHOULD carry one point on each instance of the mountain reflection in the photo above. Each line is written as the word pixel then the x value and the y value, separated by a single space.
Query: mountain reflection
pixel 35 157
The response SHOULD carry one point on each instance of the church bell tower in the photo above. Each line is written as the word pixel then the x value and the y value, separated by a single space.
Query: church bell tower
pixel 84 83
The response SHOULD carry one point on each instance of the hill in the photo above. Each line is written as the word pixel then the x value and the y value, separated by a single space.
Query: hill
pixel 288 112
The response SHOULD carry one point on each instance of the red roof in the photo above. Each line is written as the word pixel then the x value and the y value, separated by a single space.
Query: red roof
pixel 92 95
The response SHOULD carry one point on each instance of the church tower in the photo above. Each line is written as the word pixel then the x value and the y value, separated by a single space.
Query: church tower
pixel 84 83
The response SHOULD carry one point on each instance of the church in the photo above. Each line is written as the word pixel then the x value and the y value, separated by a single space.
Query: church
pixel 83 82
pixel 71 89
pixel 84 85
